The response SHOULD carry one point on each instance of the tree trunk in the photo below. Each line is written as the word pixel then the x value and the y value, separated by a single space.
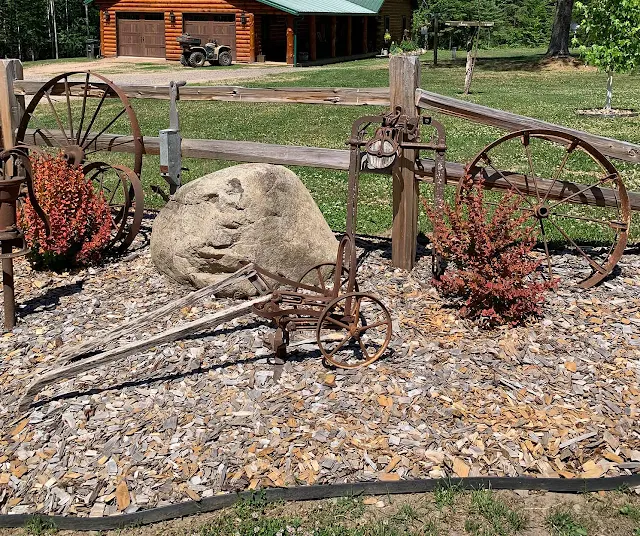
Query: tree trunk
pixel 559 45
pixel 607 105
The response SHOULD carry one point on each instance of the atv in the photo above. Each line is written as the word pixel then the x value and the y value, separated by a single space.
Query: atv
pixel 195 55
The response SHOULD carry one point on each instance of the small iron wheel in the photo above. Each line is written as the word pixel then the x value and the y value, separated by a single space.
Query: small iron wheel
pixel 363 327
pixel 117 184
pixel 84 116
pixel 322 276
pixel 196 59
pixel 565 185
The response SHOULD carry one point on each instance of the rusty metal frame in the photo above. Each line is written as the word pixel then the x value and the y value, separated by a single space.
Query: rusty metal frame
pixel 16 181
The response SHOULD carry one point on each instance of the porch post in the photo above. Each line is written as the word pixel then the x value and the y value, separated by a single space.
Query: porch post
pixel 252 38
pixel 313 39
pixel 365 35
pixel 290 39
pixel 349 35
pixel 334 35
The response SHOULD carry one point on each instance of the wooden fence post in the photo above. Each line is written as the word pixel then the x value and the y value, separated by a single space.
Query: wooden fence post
pixel 11 106
pixel 404 79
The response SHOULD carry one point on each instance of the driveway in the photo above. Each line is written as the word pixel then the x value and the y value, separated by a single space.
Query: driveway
pixel 153 71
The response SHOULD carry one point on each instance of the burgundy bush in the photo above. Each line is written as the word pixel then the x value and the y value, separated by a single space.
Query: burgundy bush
pixel 490 270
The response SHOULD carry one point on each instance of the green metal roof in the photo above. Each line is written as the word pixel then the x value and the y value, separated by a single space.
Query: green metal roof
pixel 326 7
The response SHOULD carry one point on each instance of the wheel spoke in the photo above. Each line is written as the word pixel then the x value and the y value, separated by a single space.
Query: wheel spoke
pixel 621 226
pixel 513 186
pixel 597 267
pixel 84 108
pixel 567 154
pixel 583 190
pixel 57 117
pixel 122 112
pixel 340 345
pixel 356 312
pixel 93 118
pixel 42 127
pixel 69 115
pixel 546 248
pixel 335 322
pixel 527 147
pixel 372 326
pixel 363 348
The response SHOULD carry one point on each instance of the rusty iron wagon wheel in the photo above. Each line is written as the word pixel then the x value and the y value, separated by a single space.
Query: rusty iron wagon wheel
pixel 119 186
pixel 85 116
pixel 565 185
pixel 363 327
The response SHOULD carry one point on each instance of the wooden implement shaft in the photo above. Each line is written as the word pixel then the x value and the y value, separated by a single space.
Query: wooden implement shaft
pixel 148 319
pixel 178 332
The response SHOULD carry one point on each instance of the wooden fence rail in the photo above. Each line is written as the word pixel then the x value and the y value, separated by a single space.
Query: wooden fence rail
pixel 404 81
pixel 622 150
pixel 338 159
pixel 291 95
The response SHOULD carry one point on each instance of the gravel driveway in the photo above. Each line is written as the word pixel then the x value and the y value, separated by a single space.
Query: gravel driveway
pixel 152 71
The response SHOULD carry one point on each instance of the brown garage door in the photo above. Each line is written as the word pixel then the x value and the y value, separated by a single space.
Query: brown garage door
pixel 141 34
pixel 221 27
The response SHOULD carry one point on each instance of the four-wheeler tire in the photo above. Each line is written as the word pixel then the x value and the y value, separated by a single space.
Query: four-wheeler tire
pixel 184 61
pixel 197 59
pixel 225 59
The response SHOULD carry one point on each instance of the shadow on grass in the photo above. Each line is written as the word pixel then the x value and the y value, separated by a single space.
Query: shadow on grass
pixel 530 63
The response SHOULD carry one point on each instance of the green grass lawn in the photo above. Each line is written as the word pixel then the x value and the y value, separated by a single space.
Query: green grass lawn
pixel 516 80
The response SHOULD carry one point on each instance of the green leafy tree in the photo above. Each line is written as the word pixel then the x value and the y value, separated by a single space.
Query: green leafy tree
pixel 517 22
pixel 610 37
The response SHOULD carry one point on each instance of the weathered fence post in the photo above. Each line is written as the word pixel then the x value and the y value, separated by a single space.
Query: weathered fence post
pixel 404 79
pixel 11 105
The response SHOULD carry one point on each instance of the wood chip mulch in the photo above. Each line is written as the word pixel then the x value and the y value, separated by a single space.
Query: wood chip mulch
pixel 558 397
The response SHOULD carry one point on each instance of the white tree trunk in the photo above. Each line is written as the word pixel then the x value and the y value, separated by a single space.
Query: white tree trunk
pixel 607 105
pixel 55 27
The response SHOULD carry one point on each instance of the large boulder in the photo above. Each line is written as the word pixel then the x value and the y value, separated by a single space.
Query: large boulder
pixel 253 212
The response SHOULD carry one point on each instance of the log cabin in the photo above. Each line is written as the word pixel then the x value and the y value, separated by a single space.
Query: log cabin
pixel 291 31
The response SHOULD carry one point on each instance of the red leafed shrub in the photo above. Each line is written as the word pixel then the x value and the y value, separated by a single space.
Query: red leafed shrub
pixel 490 271
pixel 79 218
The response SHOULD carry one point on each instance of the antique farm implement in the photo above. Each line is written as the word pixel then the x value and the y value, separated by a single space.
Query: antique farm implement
pixel 16 182
pixel 396 133
pixel 75 114
pixel 352 328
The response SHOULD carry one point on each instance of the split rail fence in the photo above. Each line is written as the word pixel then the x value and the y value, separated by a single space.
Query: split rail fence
pixel 404 90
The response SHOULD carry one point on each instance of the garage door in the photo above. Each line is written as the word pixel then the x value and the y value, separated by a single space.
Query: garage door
pixel 141 35
pixel 221 27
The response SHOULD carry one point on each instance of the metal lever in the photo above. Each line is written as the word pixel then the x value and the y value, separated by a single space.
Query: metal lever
pixel 171 142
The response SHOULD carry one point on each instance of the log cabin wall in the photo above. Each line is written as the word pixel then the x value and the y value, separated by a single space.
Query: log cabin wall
pixel 250 35
pixel 245 33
